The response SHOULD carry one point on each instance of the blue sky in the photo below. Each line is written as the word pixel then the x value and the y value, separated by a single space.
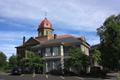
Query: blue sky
pixel 20 18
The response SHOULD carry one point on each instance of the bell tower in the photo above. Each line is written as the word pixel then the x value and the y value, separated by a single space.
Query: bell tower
pixel 45 28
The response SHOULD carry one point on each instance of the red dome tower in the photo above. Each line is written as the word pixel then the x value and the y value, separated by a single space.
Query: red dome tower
pixel 45 28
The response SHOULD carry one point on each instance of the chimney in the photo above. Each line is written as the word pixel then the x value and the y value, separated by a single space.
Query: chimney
pixel 23 40
pixel 55 36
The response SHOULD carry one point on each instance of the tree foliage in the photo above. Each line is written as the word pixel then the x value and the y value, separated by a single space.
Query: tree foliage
pixel 78 59
pixel 3 59
pixel 110 42
pixel 32 61
pixel 96 55
pixel 13 62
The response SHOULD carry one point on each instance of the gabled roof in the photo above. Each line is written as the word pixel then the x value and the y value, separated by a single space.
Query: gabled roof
pixel 29 42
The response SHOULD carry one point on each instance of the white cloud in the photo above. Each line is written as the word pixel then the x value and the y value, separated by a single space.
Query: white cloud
pixel 92 40
pixel 14 35
pixel 8 49
pixel 10 40
pixel 89 14
pixel 82 15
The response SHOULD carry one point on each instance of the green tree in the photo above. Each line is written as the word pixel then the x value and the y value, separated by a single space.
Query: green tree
pixel 78 59
pixel 37 61
pixel 3 61
pixel 32 61
pixel 110 42
pixel 13 61
pixel 96 55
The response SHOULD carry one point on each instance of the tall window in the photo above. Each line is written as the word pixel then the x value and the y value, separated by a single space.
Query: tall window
pixel 39 52
pixel 66 50
pixel 47 52
pixel 47 32
pixel 56 64
pixel 55 51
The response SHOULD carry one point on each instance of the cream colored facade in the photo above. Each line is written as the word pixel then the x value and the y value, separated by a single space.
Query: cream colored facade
pixel 53 48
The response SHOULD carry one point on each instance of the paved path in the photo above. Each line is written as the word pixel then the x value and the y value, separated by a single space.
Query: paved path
pixel 111 76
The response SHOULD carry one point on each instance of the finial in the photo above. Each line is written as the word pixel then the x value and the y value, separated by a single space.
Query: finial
pixel 45 14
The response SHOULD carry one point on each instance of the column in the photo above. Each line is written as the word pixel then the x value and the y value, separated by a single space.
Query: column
pixel 53 53
pixel 62 57
pixel 26 52
pixel 46 66
pixel 53 64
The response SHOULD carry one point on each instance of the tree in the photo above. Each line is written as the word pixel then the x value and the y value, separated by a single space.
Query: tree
pixel 13 62
pixel 96 55
pixel 37 63
pixel 33 61
pixel 3 61
pixel 78 59
pixel 110 42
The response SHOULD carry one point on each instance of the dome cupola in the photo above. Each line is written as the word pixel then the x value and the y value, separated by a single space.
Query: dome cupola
pixel 45 28
pixel 45 24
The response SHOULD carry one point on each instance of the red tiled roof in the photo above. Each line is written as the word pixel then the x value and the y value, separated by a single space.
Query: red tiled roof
pixel 64 36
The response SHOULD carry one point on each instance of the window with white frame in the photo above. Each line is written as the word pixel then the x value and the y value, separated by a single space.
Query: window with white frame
pixel 47 52
pixel 55 51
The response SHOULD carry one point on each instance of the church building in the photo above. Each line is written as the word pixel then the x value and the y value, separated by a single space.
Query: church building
pixel 53 48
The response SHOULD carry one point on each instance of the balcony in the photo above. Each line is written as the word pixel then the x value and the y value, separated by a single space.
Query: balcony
pixel 51 57
pixel 55 57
